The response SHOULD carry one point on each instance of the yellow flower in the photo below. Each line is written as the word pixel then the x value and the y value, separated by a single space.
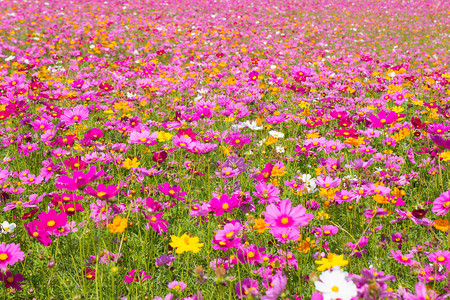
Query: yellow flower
pixel 164 136
pixel 120 105
pixel 276 171
pixel 185 243
pixel 118 225
pixel 271 140
pixel 445 156
pixel 331 261
pixel 260 225
pixel 131 164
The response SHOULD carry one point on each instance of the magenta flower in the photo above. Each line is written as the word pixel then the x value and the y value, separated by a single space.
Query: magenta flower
pixel 147 138
pixel 156 222
pixel 251 254
pixel 227 237
pixel 277 287
pixel 51 221
pixel 403 258
pixel 439 140
pixel 359 164
pixel 35 232
pixel 265 173
pixel 223 204
pixel 440 257
pixel 325 230
pixel 286 216
pixel 75 115
pixel 12 281
pixel 267 193
pixel 9 255
pixel 328 182
pixel 422 293
pixel 247 288
pixel 173 191
pixel 441 205
pixel 79 179
pixel 177 285
pixel 383 118
pixel 103 191
pixel 132 276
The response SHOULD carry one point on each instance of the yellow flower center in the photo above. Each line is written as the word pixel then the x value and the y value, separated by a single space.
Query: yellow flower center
pixel 404 258
pixel 153 219
pixel 229 234
pixel 35 234
pixel 10 279
pixel 101 194
pixel 335 289
pixel 250 254
pixel 51 223
pixel 327 232
pixel 225 206
pixel 172 192
pixel 383 120
pixel 3 256
pixel 441 258
pixel 284 221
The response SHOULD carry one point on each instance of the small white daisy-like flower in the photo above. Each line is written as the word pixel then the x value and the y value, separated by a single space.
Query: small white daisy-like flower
pixel 280 149
pixel 7 227
pixel 276 134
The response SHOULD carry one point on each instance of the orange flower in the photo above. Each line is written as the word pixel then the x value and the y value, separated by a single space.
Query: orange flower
pixel 118 225
pixel 260 225
pixel 441 225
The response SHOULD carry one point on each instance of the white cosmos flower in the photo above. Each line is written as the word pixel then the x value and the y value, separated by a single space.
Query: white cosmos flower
pixel 276 134
pixel 279 149
pixel 310 183
pixel 7 227
pixel 334 285
pixel 253 125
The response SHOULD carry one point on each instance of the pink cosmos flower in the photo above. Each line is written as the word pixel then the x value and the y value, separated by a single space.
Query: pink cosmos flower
pixel 403 258
pixel 177 285
pixel 35 232
pixel 247 288
pixel 173 191
pixel 328 182
pixel 326 230
pixel 103 191
pixel 383 118
pixel 75 115
pixel 9 255
pixel 79 179
pixel 278 286
pixel 422 293
pixel 136 278
pixel 440 257
pixel 267 193
pixel 227 237
pixel 251 254
pixel 51 221
pixel 156 222
pixel 147 138
pixel 286 216
pixel 223 204
pixel 441 205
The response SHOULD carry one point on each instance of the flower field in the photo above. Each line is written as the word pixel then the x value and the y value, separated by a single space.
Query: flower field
pixel 197 149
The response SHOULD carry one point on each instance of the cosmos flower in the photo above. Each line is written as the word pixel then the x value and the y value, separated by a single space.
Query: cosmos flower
pixel 334 284
pixel 9 255
pixel 185 243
